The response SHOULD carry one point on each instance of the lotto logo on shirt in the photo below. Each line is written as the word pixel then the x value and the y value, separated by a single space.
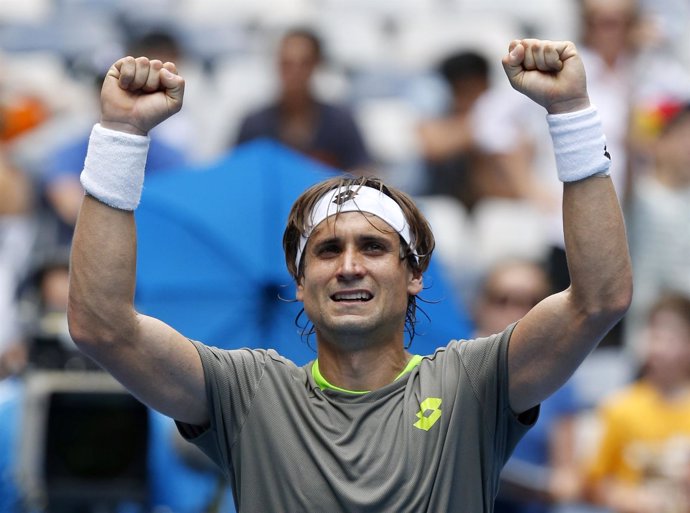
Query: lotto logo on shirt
pixel 429 412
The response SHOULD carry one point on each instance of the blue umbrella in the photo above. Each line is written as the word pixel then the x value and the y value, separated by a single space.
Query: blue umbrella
pixel 210 258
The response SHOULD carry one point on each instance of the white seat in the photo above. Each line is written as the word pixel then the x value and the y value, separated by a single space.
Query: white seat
pixel 240 86
pixel 508 228
pixel 26 11
pixel 424 40
pixel 454 235
pixel 388 125
pixel 547 19
pixel 215 11
pixel 381 9
pixel 353 39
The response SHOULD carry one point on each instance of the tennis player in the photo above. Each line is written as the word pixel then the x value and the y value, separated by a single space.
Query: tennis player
pixel 366 426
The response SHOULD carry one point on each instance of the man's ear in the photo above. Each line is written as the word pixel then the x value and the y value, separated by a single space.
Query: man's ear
pixel 415 284
pixel 299 295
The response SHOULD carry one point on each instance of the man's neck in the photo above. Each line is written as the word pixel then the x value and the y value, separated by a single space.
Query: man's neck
pixel 298 103
pixel 363 369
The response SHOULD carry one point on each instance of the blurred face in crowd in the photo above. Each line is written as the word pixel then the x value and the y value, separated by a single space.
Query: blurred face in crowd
pixel 673 152
pixel 510 291
pixel 55 289
pixel 467 90
pixel 608 25
pixel 667 348
pixel 297 61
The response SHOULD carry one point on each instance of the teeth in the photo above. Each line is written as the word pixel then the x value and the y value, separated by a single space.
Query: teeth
pixel 352 296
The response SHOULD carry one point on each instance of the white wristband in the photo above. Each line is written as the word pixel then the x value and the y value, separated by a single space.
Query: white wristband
pixel 114 167
pixel 579 145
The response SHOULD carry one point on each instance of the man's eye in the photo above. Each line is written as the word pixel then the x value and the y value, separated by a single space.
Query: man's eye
pixel 374 247
pixel 328 250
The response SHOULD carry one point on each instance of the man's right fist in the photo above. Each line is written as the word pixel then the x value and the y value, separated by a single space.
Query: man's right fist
pixel 138 94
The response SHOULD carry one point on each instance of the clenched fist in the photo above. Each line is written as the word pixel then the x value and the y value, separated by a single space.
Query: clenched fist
pixel 138 94
pixel 549 72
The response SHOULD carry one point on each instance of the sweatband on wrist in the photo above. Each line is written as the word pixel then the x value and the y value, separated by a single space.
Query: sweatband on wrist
pixel 357 199
pixel 114 167
pixel 579 145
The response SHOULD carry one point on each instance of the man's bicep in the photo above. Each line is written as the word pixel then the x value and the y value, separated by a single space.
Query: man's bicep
pixel 546 347
pixel 162 368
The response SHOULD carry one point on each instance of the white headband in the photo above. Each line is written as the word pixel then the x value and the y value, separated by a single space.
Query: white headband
pixel 357 199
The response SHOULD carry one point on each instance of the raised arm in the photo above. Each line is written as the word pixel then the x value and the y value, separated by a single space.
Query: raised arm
pixel 551 341
pixel 153 361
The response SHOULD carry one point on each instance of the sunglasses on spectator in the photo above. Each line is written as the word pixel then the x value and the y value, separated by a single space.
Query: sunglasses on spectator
pixel 512 299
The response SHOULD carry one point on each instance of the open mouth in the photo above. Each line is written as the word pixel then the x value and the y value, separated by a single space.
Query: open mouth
pixel 356 296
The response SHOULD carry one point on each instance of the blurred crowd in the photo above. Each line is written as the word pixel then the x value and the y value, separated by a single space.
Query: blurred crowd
pixel 411 91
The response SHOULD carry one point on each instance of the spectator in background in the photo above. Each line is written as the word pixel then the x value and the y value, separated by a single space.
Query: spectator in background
pixel 543 469
pixel 16 194
pixel 660 210
pixel 297 118
pixel 609 50
pixel 454 163
pixel 44 310
pixel 631 66
pixel 18 115
pixel 643 461
pixel 509 290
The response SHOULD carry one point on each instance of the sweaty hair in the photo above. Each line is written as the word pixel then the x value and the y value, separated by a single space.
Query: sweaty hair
pixel 421 234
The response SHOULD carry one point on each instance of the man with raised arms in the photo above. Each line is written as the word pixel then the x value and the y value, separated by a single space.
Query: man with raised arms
pixel 366 426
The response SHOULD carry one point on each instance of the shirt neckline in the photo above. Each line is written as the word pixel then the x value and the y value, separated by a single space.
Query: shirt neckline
pixel 323 383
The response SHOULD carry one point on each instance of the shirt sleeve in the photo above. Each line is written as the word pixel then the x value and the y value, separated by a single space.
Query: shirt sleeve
pixel 232 378
pixel 485 361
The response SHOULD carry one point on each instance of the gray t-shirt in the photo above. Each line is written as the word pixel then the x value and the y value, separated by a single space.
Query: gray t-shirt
pixel 434 440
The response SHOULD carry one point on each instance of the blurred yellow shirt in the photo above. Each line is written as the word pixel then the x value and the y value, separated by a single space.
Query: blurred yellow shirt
pixel 644 437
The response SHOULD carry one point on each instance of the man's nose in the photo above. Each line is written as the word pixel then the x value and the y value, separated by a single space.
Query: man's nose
pixel 351 264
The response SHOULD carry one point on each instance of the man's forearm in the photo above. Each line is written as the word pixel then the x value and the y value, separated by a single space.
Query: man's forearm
pixel 597 248
pixel 102 272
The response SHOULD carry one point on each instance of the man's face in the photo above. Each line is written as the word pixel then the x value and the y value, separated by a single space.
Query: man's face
pixel 297 62
pixel 510 292
pixel 608 24
pixel 466 92
pixel 667 347
pixel 673 149
pixel 354 282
